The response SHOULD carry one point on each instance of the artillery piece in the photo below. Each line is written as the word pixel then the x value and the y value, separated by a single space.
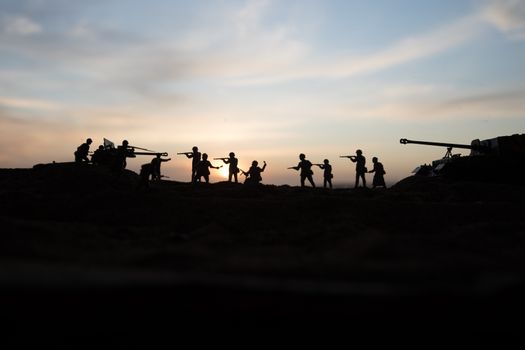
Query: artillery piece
pixel 114 157
pixel 500 159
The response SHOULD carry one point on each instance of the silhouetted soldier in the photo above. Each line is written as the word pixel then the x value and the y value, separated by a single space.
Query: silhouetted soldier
pixel 360 168
pixel 196 158
pixel 306 170
pixel 327 174
pixel 156 162
pixel 99 156
pixel 253 175
pixel 203 169
pixel 146 170
pixel 378 171
pixel 123 151
pixel 81 154
pixel 233 170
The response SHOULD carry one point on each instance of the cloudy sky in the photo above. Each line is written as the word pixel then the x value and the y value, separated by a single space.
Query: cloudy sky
pixel 267 79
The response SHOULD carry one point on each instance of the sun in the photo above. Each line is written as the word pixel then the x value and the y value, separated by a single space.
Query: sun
pixel 223 172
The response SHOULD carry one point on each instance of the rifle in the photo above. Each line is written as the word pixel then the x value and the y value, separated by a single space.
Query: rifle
pixel 243 172
pixel 292 167
pixel 349 157
pixel 318 164
pixel 223 159
pixel 184 153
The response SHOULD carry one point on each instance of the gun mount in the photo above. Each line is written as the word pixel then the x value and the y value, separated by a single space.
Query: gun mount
pixel 487 161
pixel 113 157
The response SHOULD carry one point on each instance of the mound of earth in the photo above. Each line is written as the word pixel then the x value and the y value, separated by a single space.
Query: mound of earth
pixel 82 244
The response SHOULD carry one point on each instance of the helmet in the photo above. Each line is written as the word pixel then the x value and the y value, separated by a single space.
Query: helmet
pixel 195 148
pixel 89 140
pixel 301 156
pixel 359 151
pixel 232 154
pixel 125 142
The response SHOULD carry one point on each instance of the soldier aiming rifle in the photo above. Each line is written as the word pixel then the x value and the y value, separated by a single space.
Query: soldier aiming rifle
pixel 327 174
pixel 195 155
pixel 360 168
pixel 233 170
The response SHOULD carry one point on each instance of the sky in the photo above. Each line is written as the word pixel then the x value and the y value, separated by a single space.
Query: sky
pixel 266 79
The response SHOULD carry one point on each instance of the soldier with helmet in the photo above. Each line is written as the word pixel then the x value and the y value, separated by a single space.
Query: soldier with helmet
pixel 195 156
pixel 253 175
pixel 122 153
pixel 233 170
pixel 81 154
pixel 306 170
pixel 379 172
pixel 360 168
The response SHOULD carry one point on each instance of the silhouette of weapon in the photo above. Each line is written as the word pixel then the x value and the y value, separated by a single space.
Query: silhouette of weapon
pixel 292 167
pixel 243 172
pixel 318 164
pixel 142 149
pixel 162 154
pixel 221 159
pixel 184 153
pixel 349 157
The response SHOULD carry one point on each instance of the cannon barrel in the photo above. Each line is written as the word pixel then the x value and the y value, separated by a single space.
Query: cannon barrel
pixel 442 144
pixel 163 154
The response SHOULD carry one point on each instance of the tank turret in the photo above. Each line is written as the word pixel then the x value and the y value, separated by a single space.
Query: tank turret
pixel 500 159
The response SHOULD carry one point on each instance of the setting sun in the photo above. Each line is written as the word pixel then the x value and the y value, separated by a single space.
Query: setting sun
pixel 223 171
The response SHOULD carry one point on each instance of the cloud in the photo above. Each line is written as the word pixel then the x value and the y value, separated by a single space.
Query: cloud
pixel 508 16
pixel 404 51
pixel 19 25
pixel 28 103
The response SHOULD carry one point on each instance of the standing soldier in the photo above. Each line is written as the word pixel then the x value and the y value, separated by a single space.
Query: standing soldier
pixel 327 175
pixel 233 170
pixel 378 171
pixel 155 162
pixel 360 168
pixel 203 169
pixel 195 155
pixel 306 170
pixel 81 154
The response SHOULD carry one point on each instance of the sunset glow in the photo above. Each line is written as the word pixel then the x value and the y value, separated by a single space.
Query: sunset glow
pixel 266 79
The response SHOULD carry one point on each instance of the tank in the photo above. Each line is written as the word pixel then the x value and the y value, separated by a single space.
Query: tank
pixel 499 159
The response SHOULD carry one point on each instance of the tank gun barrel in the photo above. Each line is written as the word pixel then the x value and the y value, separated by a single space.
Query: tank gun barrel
pixel 163 154
pixel 442 144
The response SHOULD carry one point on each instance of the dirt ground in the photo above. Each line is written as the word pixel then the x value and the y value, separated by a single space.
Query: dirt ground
pixel 80 246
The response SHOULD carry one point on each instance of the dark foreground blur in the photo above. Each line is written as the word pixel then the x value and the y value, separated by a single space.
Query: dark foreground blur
pixel 84 255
